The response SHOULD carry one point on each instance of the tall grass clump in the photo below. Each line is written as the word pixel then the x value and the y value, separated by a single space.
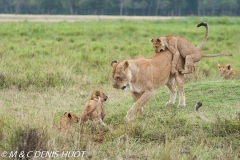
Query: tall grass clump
pixel 28 140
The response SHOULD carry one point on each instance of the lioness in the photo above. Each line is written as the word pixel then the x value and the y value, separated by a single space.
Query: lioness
pixel 227 71
pixel 144 75
pixel 93 109
pixel 181 47
pixel 67 121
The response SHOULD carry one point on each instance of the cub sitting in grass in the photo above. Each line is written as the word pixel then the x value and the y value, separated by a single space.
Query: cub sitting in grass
pixel 67 121
pixel 93 109
pixel 227 71
pixel 181 47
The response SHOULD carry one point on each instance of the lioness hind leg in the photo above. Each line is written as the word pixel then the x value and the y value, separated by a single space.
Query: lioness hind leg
pixel 180 83
pixel 172 87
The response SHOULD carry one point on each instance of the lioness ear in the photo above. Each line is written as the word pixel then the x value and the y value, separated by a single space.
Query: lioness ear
pixel 159 40
pixel 229 66
pixel 151 40
pixel 126 64
pixel 113 62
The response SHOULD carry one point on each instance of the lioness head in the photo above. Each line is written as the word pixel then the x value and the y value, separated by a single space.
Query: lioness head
pixel 224 71
pixel 98 94
pixel 120 74
pixel 158 45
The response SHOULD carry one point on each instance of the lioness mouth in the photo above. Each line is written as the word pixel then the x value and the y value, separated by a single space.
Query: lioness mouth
pixel 123 87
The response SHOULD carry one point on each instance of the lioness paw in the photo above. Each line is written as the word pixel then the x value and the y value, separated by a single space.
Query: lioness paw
pixel 181 105
pixel 130 115
pixel 169 103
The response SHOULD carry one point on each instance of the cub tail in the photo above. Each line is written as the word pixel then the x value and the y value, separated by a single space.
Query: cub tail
pixel 206 34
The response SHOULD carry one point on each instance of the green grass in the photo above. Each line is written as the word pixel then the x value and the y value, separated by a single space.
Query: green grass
pixel 49 68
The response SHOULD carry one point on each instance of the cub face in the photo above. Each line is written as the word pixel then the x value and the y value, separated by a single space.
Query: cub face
pixel 103 96
pixel 158 45
pixel 120 74
pixel 224 71
pixel 70 118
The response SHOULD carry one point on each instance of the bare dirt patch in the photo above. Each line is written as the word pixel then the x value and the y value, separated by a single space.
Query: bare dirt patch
pixel 74 18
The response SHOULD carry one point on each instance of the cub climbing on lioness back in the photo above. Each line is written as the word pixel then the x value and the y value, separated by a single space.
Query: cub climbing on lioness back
pixel 181 47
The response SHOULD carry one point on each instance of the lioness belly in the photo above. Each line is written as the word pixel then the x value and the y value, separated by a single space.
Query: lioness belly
pixel 161 68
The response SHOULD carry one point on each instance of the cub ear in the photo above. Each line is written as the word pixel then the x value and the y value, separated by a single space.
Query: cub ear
pixel 97 93
pixel 113 62
pixel 229 66
pixel 126 65
pixel 219 65
pixel 151 40
pixel 159 40
pixel 69 115
pixel 65 113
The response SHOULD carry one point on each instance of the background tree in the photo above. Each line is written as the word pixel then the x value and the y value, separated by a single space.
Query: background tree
pixel 123 7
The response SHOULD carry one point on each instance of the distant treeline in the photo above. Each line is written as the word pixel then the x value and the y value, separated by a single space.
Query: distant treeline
pixel 123 7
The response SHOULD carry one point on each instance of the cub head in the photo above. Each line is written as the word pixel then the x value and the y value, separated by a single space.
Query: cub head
pixel 120 74
pixel 224 71
pixel 67 120
pixel 70 118
pixel 158 45
pixel 98 94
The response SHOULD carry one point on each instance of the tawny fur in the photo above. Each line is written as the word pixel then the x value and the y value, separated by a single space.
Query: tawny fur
pixel 196 108
pixel 181 47
pixel 67 121
pixel 227 71
pixel 144 76
pixel 94 109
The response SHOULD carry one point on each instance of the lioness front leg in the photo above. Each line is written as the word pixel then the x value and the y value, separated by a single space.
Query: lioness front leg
pixel 146 96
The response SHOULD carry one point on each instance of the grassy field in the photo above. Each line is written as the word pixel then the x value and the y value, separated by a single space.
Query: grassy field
pixel 49 68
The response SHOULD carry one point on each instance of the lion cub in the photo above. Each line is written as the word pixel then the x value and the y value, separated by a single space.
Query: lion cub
pixel 227 71
pixel 67 121
pixel 93 109
pixel 181 47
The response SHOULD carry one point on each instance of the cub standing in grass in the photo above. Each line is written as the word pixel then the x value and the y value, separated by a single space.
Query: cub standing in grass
pixel 94 109
pixel 181 47
pixel 67 121
pixel 227 71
